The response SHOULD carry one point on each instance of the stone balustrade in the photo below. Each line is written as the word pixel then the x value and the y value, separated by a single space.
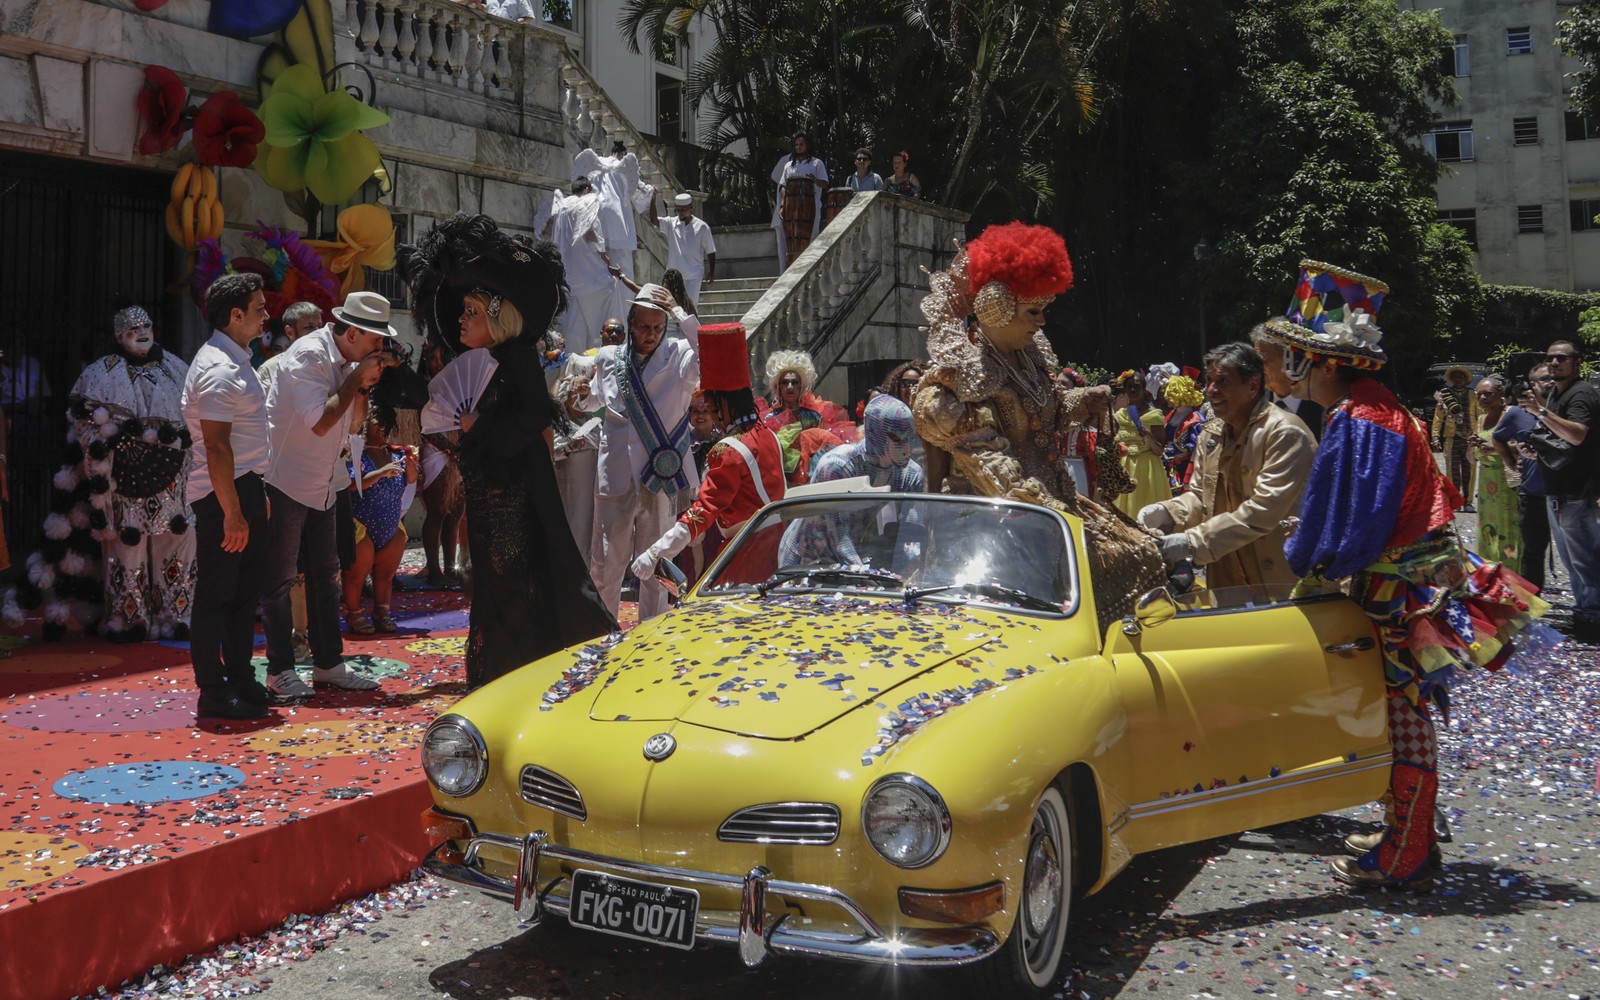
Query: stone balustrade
pixel 437 41
pixel 852 295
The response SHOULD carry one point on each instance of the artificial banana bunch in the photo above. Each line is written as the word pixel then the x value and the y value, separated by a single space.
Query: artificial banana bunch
pixel 194 212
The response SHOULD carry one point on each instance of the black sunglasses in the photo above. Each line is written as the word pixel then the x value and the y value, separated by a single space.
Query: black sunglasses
pixel 863 159
pixel 1558 358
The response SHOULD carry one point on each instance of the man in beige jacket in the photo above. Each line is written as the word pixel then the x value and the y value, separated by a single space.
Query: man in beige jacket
pixel 1250 467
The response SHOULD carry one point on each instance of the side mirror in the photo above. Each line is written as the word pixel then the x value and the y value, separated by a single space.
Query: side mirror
pixel 1154 608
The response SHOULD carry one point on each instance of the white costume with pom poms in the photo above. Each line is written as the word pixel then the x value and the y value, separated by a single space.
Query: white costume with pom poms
pixel 146 540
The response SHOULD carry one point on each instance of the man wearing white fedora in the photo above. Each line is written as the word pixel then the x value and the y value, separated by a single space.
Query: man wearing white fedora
pixel 319 378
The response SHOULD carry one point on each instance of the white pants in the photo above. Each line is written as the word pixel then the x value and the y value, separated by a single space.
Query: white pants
pixel 151 583
pixel 626 525
pixel 691 288
pixel 575 478
pixel 587 311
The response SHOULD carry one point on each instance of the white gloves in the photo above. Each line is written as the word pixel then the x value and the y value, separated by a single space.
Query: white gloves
pixel 667 546
pixel 1156 517
pixel 1174 548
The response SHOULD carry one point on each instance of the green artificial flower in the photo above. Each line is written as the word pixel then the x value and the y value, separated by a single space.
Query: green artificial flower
pixel 313 139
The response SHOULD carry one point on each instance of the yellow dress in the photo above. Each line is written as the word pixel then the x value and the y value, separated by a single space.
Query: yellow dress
pixel 1149 472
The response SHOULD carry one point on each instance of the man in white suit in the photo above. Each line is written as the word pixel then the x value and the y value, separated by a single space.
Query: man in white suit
pixel 643 388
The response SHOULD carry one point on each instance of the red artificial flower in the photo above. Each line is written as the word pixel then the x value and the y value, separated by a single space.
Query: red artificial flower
pixel 226 132
pixel 149 5
pixel 161 106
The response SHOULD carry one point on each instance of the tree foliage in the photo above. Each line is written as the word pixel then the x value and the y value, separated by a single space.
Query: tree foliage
pixel 1191 150
pixel 1580 37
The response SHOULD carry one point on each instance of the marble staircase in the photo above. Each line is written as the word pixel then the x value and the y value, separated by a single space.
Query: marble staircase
pixel 726 300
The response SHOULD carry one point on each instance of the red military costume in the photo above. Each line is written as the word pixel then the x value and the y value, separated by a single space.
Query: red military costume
pixel 731 491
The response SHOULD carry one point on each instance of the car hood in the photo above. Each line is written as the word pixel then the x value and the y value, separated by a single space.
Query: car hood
pixel 779 667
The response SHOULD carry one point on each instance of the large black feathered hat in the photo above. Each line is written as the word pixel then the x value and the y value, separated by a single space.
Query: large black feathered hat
pixel 465 252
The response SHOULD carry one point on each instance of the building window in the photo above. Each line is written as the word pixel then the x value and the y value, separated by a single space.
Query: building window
pixel 560 14
pixel 1455 58
pixel 1464 219
pixel 1519 41
pixel 669 109
pixel 1449 142
pixel 670 51
pixel 1530 218
pixel 1583 214
pixel 1580 127
pixel 1525 131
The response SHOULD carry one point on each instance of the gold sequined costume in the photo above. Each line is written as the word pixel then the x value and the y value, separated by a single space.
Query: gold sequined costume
pixel 1000 422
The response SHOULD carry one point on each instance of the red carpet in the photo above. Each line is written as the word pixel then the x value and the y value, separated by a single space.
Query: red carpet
pixel 130 835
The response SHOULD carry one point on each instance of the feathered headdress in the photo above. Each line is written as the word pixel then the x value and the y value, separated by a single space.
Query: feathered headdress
pixel 463 253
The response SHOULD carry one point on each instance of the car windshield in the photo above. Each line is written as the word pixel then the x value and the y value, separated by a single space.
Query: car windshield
pixel 920 547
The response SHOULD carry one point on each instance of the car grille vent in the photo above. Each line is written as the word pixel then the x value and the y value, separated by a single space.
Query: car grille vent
pixel 782 823
pixel 543 787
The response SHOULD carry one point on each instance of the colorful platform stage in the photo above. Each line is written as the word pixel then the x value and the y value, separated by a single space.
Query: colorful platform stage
pixel 132 835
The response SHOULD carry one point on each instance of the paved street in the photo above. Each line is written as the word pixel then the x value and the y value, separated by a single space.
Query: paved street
pixel 1254 915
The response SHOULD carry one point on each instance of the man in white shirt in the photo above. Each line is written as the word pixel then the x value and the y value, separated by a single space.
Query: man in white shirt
pixel 643 388
pixel 690 247
pixel 320 377
pixel 226 417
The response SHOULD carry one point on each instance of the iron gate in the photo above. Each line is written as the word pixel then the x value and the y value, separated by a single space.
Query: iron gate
pixel 77 241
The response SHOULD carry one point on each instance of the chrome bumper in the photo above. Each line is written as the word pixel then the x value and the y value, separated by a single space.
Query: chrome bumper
pixel 755 936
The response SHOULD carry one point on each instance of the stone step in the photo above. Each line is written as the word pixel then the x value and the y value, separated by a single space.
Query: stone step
pixel 722 285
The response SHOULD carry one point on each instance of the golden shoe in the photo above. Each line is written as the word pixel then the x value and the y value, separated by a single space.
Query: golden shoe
pixel 1359 844
pixel 1350 872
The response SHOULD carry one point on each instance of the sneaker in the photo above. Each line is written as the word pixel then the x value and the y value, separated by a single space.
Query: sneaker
pixel 288 686
pixel 343 676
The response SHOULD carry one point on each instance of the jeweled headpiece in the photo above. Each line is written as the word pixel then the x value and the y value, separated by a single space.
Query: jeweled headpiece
pixel 131 318
pixel 491 299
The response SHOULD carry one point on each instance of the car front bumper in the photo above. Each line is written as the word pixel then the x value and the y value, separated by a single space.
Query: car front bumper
pixel 750 929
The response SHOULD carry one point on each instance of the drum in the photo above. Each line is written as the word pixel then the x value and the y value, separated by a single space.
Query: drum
pixel 834 202
pixel 799 213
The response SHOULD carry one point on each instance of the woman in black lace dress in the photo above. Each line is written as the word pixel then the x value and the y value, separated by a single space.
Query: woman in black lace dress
pixel 532 594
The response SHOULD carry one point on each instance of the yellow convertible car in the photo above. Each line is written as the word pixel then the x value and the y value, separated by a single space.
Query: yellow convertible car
pixel 886 728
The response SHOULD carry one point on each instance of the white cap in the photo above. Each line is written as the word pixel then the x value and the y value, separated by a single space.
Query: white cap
pixel 683 200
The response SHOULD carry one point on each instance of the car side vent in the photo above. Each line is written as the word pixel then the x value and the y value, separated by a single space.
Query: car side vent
pixel 782 823
pixel 544 787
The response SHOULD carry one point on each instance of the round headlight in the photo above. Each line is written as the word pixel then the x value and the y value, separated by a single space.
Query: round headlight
pixel 905 820
pixel 454 756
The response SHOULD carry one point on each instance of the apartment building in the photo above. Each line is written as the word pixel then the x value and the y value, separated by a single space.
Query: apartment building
pixel 1522 170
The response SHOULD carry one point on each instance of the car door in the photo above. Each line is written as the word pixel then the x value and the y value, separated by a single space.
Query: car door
pixel 1246 713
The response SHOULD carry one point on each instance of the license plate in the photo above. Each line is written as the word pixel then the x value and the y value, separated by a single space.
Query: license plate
pixel 644 911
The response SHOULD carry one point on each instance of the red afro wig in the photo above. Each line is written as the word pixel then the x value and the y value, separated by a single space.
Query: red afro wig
pixel 1030 260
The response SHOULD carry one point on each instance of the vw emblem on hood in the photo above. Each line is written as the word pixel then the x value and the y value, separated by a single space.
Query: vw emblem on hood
pixel 659 746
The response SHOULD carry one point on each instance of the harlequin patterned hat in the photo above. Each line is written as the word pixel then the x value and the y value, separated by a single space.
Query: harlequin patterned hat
pixel 1332 316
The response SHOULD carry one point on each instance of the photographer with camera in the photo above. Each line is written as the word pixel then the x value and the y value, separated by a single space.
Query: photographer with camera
pixel 321 375
pixel 1509 440
pixel 1569 458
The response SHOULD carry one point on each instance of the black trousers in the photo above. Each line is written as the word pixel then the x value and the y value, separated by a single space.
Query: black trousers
pixel 1535 537
pixel 228 589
